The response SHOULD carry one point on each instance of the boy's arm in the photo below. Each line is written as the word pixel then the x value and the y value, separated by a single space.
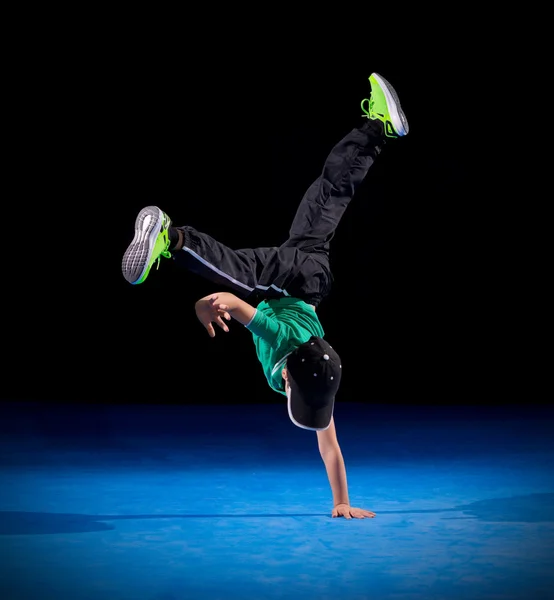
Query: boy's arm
pixel 334 463
pixel 336 471
pixel 224 305
pixel 237 308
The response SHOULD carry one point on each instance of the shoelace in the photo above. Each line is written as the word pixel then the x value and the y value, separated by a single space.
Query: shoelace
pixel 165 253
pixel 369 111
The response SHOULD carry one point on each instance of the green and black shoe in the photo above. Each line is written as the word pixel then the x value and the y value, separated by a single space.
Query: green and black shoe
pixel 384 105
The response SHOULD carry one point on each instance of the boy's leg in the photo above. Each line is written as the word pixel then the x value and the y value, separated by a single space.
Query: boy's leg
pixel 325 201
pixel 155 237
pixel 238 270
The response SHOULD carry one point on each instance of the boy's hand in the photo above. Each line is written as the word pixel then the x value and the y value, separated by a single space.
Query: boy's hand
pixel 209 310
pixel 349 512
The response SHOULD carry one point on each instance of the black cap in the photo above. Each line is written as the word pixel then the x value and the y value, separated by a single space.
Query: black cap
pixel 314 374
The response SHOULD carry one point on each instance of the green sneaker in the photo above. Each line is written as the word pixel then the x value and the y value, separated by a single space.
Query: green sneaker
pixel 151 242
pixel 385 106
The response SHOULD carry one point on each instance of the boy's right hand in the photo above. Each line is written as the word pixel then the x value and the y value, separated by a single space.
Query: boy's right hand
pixel 209 310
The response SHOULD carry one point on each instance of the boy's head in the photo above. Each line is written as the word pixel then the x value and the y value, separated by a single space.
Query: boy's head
pixel 312 377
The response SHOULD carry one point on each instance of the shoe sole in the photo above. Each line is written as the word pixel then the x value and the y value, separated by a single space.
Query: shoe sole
pixel 135 261
pixel 398 118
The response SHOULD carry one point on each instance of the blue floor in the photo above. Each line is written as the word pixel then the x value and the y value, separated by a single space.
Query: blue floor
pixel 206 503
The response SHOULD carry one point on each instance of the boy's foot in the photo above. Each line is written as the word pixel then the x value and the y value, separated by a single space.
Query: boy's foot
pixel 385 106
pixel 151 242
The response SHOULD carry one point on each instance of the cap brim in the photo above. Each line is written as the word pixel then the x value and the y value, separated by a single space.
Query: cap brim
pixel 306 414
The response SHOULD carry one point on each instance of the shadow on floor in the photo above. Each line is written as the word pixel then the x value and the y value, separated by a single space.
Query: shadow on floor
pixel 531 508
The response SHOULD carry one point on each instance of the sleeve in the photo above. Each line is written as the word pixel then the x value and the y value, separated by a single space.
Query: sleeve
pixel 268 329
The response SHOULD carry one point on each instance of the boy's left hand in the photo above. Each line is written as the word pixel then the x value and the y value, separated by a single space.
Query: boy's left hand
pixel 209 310
pixel 349 512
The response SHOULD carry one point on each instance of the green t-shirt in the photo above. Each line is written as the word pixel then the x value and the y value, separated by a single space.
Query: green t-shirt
pixel 278 327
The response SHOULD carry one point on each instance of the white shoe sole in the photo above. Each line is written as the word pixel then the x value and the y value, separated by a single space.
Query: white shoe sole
pixel 137 256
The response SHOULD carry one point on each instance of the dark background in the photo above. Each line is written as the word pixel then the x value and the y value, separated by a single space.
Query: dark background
pixel 439 292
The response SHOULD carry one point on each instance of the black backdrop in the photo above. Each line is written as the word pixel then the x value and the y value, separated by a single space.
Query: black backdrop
pixel 432 300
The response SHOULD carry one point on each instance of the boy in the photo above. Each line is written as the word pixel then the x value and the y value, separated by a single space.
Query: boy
pixel 285 284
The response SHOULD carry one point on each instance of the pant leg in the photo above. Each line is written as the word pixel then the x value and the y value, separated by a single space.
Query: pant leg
pixel 325 201
pixel 253 274
pixel 237 270
pixel 323 205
